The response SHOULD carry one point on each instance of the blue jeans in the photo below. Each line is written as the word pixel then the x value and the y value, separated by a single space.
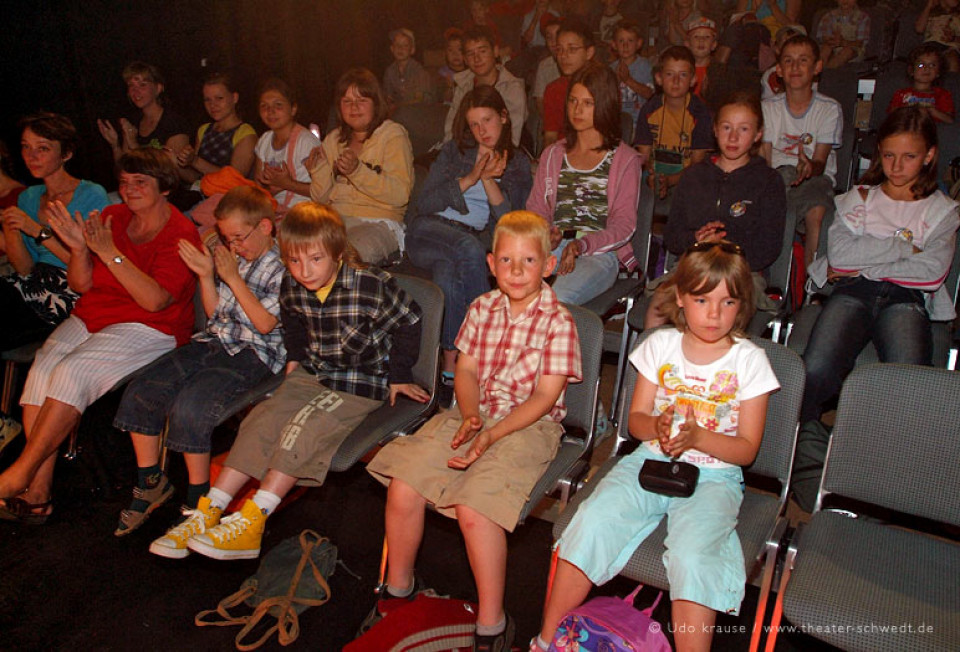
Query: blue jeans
pixel 188 390
pixel 592 276
pixel 860 311
pixel 457 258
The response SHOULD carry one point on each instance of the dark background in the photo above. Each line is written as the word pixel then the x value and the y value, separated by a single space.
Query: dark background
pixel 67 56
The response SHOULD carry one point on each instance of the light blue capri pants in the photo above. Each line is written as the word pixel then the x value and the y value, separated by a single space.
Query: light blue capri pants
pixel 703 559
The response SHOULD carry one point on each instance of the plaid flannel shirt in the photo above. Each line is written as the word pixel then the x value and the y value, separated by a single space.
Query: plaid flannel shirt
pixel 230 323
pixel 512 354
pixel 347 341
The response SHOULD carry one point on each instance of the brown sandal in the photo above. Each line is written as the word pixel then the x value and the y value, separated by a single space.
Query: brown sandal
pixel 20 511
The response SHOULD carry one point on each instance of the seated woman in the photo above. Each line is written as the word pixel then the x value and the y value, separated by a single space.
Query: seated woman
pixel 477 177
pixel 588 187
pixel 889 250
pixel 37 298
pixel 136 304
pixel 154 125
pixel 227 140
pixel 364 168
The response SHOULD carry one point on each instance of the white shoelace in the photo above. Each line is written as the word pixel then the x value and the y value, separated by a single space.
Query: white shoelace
pixel 230 527
pixel 195 523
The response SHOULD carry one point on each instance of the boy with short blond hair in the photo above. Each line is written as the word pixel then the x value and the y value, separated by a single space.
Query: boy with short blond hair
pixel 675 129
pixel 187 390
pixel 802 128
pixel 518 349
pixel 405 81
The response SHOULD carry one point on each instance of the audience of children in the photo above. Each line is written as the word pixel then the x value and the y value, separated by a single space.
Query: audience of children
pixel 242 344
pixel 283 149
pixel 802 131
pixel 701 397
pixel 364 169
pixel 405 81
pixel 674 127
pixel 925 66
pixel 481 52
pixel 939 22
pixel 352 336
pixel 889 250
pixel 588 186
pixel 575 47
pixel 346 335
pixel 843 34
pixel 733 196
pixel 477 178
pixel 518 349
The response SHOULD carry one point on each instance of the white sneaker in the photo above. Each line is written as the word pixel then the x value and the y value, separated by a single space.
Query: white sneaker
pixel 9 429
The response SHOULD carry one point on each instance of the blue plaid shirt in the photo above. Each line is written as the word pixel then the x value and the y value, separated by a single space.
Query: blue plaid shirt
pixel 364 336
pixel 230 323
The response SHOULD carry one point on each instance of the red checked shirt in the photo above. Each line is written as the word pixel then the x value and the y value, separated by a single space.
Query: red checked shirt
pixel 512 354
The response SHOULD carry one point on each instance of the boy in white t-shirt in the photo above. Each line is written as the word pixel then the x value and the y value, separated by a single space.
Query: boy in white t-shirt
pixel 802 128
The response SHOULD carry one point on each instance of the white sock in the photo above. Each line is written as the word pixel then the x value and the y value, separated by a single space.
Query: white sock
pixel 266 501
pixel 219 498
pixel 542 644
pixel 492 630
pixel 401 593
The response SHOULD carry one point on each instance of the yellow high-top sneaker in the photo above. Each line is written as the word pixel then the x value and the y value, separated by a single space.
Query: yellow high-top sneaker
pixel 236 536
pixel 173 544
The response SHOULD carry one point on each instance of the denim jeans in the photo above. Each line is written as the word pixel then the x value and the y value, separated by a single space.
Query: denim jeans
pixel 860 311
pixel 188 390
pixel 592 276
pixel 457 259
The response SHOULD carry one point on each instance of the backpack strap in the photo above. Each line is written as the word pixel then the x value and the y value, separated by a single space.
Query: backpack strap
pixel 633 596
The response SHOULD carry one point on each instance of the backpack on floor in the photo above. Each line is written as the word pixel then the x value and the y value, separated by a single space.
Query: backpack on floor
pixel 283 587
pixel 428 623
pixel 610 624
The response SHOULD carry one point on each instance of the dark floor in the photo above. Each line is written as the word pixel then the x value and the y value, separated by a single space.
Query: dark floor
pixel 72 585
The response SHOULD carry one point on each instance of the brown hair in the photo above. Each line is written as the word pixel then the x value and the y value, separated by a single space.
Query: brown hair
pixel 627 25
pixel 52 126
pixel 925 50
pixel 251 203
pixel 907 120
pixel 580 28
pixel 310 223
pixel 280 86
pixel 601 82
pixel 800 39
pixel 151 162
pixel 699 272
pixel 523 224
pixel 482 96
pixel 367 86
pixel 149 72
pixel 677 53
pixel 748 100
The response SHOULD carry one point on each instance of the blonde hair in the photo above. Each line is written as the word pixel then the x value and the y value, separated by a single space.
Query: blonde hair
pixel 250 203
pixel 309 223
pixel 524 224
pixel 699 272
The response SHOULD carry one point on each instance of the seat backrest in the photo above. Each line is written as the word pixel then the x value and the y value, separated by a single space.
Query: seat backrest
pixel 880 42
pixel 896 441
pixel 842 85
pixel 907 36
pixel 424 124
pixel 778 275
pixel 641 236
pixel 430 299
pixel 775 457
pixel 890 79
pixel 581 398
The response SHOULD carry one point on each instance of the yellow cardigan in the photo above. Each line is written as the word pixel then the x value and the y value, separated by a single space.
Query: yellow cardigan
pixel 380 186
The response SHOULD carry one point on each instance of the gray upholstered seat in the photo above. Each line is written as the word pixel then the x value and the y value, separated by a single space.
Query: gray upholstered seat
pixel 848 579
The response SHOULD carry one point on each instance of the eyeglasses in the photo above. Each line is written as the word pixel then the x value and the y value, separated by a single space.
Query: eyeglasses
pixel 230 242
pixel 922 65
pixel 726 247
pixel 361 101
pixel 573 49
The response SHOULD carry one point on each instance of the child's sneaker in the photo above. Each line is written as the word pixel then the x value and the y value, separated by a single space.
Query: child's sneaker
pixel 378 612
pixel 498 642
pixel 236 537
pixel 9 429
pixel 173 544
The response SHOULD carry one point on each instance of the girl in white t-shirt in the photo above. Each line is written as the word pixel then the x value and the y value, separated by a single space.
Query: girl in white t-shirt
pixel 281 152
pixel 701 397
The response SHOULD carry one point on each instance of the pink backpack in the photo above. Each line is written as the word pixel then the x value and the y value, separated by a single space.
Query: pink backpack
pixel 610 625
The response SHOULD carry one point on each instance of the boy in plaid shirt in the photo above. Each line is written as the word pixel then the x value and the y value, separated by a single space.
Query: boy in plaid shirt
pixel 518 349
pixel 241 345
pixel 352 337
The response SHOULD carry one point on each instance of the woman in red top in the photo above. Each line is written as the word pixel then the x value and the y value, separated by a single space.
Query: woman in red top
pixel 136 304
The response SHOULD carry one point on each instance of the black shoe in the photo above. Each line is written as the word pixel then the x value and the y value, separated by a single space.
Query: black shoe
pixel 376 614
pixel 498 642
